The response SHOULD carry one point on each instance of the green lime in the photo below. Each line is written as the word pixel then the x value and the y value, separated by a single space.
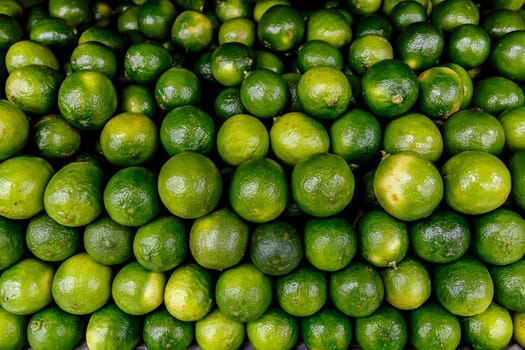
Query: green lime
pixel 242 30
pixel 276 248
pixel 137 99
pixel 275 329
pixel 517 172
pixel 230 9
pixel 76 12
pixel 219 240
pixel 442 237
pixel 508 55
pixel 468 45
pixel 448 15
pixel 231 62
pixel 27 52
pixel 188 293
pixel 192 31
pixel 105 36
pixel 264 93
pixel 155 18
pixel 261 6
pixel 495 94
pixel 23 180
pixel 11 31
pixel 55 138
pixel 50 241
pixel 440 92
pixel 110 328
pixel 364 7
pixel 281 28
pixel 56 33
pixel 15 129
pixel 302 292
pixel 420 45
pixel 12 244
pixel 145 62
pixel 326 329
pixel 475 182
pixel 368 49
pixel 407 12
pixel 161 330
pixel 315 53
pixel 329 25
pixel 189 185
pixel 384 329
pixel 53 326
pixel 373 23
pixel 243 293
pixel 513 122
pixel 491 329
pixel 25 287
pixel 498 22
pixel 228 103
pixel 216 331
pixel 14 335
pixel 176 87
pixel 508 282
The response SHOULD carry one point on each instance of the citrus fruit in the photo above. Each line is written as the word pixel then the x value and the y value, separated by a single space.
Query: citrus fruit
pixel 14 128
pixel 28 52
pixel 473 130
pixel 408 186
pixel 105 36
pixel 73 195
pixel 94 56
pixel 14 330
pixel 25 287
pixel 12 244
pixel 368 49
pixel 33 88
pixel 420 45
pixel 468 86
pixel 475 182
pixel 405 13
pixel 295 136
pixel 276 248
pixel 389 88
pixel 508 55
pixel 111 328
pixel 161 330
pixel 261 6
pixel 219 239
pixel 302 292
pixel 280 28
pixel 230 9
pixel 76 12
pixel 155 18
pixel 517 174
pixel 356 290
pixel 23 180
pixel 440 92
pixel 11 31
pixel 498 22
pixel 491 329
pixel 384 329
pixel 81 285
pixel 264 93
pixel 187 128
pixel 53 326
pixel 324 92
pixel 431 327
pixel 499 237
pixel 464 287
pixel 145 62
pixel 188 293
pixel 243 293
pixel 228 103
pixel 161 244
pixel 240 29
pixel 330 244
pixel 137 98
pixel 50 241
pixel 259 190
pixel 242 137
pixel 407 286
pixel 87 99
pixel 388 5
pixel 448 15
pixel 216 331
pixel 322 185
pixel 315 53
pixel 513 122
pixel 373 23
pixel 231 62
pixel 383 238
pixel 326 329
pixel 275 329
pixel 508 285
pixel 413 132
pixel 189 185
pixel 468 45
pixel 55 138
pixel 442 237
pixel 176 87
pixel 137 291
pixel 496 93
pixel 330 25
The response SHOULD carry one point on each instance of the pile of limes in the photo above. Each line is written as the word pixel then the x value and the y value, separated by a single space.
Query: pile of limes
pixel 270 174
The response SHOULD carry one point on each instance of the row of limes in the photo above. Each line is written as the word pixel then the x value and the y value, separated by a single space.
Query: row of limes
pixel 189 172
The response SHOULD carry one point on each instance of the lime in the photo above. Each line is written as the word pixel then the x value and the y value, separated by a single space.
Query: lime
pixel 407 12
pixel 508 283
pixel 137 291
pixel 243 293
pixel 440 92
pixel 259 190
pixel 302 292
pixel 155 18
pixel 384 329
pixel 11 31
pixel 14 330
pixel 76 12
pixel 276 248
pixel 517 174
pixel 27 52
pixel 491 329
pixel 329 25
pixel 137 99
pixel 373 23
pixel 14 128
pixel 219 240
pixel 326 329
pixel 498 22
pixel 176 87
pixel 25 287
pixel 216 331
pixel 189 185
pixel 261 6
pixel 23 180
pixel 161 244
pixel 508 55
pixel 110 328
pixel 280 28
pixel 50 241
pixel 145 62
pixel 468 45
pixel 55 138
pixel 12 244
pixel 513 122
pixel 315 53
pixel 240 29
pixel 192 31
pixel 161 330
pixel 442 237
pixel 228 103
pixel 475 182
pixel 264 93
pixel 464 287
pixel 432 327
pixel 448 15
pixel 188 293
pixel 368 49
pixel 231 62
pixel 468 86
pixel 53 326
pixel 96 57
pixel 275 329
pixel 499 237
pixel 420 45
pixel 495 94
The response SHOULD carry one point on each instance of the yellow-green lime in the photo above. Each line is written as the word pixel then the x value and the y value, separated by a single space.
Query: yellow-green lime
pixel 161 244
pixel 243 293
pixel 315 53
pixel 53 326
pixel 12 243
pixel 137 98
pixel 329 25
pixel 55 138
pixel 189 185
pixel 326 329
pixel 468 86
pixel 76 12
pixel 295 136
pixel 23 180
pixel 368 49
pixel 264 93
pixel 107 241
pixel 518 320
pixel 517 171
pixel 508 282
pixel 188 294
pixel 110 328
pixel 230 9
pixel 25 287
pixel 27 52
pixel 192 31
pixel 14 129
pixel 138 291
pixel 384 329
pixel 145 62
pixel 513 122
pixel 492 329
pixel 231 62
pixel 275 329
pixel 14 335
pixel 219 239
pixel 217 331
pixel 96 57
pixel 161 330
pixel 241 29
pixel 261 6
pixel 50 241
pixel 176 87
